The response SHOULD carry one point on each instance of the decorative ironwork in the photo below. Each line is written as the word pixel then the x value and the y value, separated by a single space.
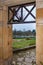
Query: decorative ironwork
pixel 16 15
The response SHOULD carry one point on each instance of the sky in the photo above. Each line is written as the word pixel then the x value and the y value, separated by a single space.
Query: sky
pixel 27 26
pixel 24 26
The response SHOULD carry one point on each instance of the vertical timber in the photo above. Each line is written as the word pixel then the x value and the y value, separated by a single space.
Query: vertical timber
pixel 1 41
pixel 39 32
pixel 5 38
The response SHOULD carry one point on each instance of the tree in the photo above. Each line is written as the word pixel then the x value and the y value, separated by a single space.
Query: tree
pixel 34 32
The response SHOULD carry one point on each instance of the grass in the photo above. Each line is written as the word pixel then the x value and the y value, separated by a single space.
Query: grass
pixel 21 43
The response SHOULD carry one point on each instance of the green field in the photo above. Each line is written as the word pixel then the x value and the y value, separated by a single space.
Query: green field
pixel 21 43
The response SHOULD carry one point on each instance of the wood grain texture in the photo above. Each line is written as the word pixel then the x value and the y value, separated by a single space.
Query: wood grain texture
pixel 15 2
pixel 7 37
pixel 39 4
pixel 1 34
pixel 39 15
pixel 39 36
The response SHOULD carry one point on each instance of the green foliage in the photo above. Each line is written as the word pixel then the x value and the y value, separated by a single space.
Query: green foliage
pixel 21 43
pixel 24 33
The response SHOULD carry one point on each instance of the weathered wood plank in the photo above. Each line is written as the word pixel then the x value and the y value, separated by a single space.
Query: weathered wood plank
pixel 39 36
pixel 15 2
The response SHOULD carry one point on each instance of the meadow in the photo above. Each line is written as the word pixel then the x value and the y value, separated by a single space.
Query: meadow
pixel 23 42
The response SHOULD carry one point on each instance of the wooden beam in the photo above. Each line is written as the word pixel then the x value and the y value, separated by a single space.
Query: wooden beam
pixel 15 2
pixel 22 22
pixel 22 4
pixel 22 13
pixel 14 12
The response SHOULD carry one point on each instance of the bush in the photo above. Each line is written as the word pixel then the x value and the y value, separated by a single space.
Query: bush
pixel 28 39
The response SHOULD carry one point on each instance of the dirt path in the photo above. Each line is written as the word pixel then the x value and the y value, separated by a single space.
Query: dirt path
pixel 27 57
